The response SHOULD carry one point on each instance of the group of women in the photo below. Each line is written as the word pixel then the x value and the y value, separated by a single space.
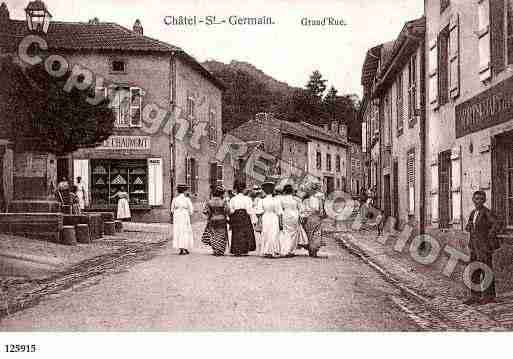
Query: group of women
pixel 275 223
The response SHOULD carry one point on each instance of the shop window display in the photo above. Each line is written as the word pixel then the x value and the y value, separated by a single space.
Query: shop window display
pixel 109 176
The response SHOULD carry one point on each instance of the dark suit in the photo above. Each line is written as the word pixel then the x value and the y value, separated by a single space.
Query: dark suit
pixel 483 242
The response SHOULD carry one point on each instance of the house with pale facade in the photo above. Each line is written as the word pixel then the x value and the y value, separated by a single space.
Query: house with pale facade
pixel 159 95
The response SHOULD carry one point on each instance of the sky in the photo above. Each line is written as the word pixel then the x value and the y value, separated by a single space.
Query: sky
pixel 287 50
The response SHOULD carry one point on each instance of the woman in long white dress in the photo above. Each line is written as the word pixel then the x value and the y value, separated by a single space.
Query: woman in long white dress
pixel 123 212
pixel 182 210
pixel 81 193
pixel 293 234
pixel 271 209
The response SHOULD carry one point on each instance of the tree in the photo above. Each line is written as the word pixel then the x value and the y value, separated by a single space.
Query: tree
pixel 44 117
pixel 330 102
pixel 316 84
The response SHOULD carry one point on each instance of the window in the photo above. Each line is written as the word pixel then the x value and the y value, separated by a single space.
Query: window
pixel 191 174
pixel 118 66
pixel 399 102
pixel 433 73
pixel 338 183
pixel 191 108
pixel 410 168
pixel 454 56
pixel 110 176
pixel 212 126
pixel 319 161
pixel 328 162
pixel 338 165
pixel 126 104
pixel 135 107
pixel 484 39
pixel 444 4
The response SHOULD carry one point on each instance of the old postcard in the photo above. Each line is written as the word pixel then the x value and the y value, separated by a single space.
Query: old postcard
pixel 225 166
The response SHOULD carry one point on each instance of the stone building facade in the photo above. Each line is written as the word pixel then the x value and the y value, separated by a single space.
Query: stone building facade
pixel 300 148
pixel 161 97
pixel 470 110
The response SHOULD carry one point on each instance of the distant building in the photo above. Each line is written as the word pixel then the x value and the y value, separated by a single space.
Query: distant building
pixel 300 148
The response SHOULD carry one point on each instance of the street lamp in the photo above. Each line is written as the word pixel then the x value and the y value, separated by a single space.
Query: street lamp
pixel 38 16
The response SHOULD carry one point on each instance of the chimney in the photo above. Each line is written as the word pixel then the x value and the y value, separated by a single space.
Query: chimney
pixel 326 127
pixel 138 29
pixel 4 13
pixel 94 21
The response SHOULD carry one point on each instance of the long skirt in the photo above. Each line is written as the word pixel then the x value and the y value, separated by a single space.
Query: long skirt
pixel 216 236
pixel 270 235
pixel 123 209
pixel 243 236
pixel 292 235
pixel 314 233
pixel 182 230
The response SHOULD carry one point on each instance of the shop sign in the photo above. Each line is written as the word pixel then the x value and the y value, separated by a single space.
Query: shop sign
pixel 487 109
pixel 136 143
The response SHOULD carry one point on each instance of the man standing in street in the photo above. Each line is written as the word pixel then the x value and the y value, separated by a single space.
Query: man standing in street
pixel 482 226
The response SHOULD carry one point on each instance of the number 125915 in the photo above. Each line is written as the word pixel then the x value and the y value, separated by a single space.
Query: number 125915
pixel 20 348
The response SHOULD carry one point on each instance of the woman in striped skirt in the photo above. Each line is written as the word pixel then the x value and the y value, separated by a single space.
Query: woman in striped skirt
pixel 216 232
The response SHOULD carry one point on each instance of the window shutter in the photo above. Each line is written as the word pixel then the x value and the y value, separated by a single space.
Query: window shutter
pixel 454 56
pixel 410 167
pixel 484 40
pixel 456 184
pixel 443 75
pixel 434 191
pixel 399 101
pixel 81 169
pixel 187 172
pixel 497 39
pixel 433 72
pixel 196 176
pixel 509 30
pixel 155 182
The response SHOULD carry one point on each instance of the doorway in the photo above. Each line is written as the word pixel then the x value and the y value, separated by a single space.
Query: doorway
pixel 330 184
pixel 502 179
pixel 386 195
pixel 395 174
pixel 63 170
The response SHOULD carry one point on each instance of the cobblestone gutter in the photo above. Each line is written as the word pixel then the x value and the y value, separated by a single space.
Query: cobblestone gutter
pixel 457 315
pixel 16 295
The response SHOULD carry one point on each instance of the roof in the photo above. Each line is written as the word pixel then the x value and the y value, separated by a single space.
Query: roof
pixel 370 64
pixel 102 36
pixel 412 30
pixel 301 130
pixel 323 135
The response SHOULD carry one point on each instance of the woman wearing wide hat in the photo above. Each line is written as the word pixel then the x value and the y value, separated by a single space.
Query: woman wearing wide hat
pixel 216 232
pixel 311 211
pixel 182 210
pixel 271 210
pixel 243 236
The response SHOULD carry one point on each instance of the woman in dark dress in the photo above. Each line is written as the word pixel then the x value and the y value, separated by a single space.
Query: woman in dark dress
pixel 216 232
pixel 243 235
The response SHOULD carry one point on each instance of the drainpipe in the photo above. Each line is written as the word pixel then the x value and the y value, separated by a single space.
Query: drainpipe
pixel 422 180
pixel 172 140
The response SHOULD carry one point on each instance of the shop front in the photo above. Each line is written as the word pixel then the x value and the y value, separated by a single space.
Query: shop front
pixel 121 165
pixel 484 133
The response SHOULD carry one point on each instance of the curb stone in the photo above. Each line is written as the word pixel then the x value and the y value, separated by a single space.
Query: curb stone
pixel 462 316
